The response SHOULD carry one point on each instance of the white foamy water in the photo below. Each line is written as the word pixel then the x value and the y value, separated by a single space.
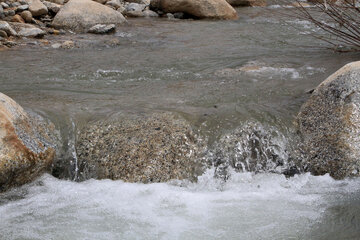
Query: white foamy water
pixel 248 206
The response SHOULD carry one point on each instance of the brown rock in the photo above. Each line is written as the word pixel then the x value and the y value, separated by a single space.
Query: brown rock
pixel 27 16
pixel 17 18
pixel 3 34
pixel 37 8
pixel 26 150
pixel 216 9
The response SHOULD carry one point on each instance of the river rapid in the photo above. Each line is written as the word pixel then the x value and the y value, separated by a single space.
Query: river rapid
pixel 223 77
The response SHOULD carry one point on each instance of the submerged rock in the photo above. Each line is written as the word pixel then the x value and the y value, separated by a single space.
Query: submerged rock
pixel 151 148
pixel 216 9
pixel 27 145
pixel 329 123
pixel 251 148
pixel 102 29
pixel 81 15
pixel 247 3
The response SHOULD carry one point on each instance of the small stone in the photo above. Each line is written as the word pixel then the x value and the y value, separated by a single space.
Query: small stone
pixel 52 7
pixel 149 13
pixel 68 45
pixel 170 16
pixel 15 4
pixel 17 18
pixel 37 8
pixel 102 29
pixel 4 26
pixel 3 34
pixel 135 7
pixel 23 2
pixel 27 16
pixel 179 15
pixel 56 45
pixel 32 32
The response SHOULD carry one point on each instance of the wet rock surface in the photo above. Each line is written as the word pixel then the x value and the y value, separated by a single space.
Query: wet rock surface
pixel 27 144
pixel 150 148
pixel 252 148
pixel 80 15
pixel 330 127
pixel 216 9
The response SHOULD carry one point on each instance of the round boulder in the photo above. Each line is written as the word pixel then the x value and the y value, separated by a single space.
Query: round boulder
pixel 27 144
pixel 329 123
pixel 215 9
pixel 150 148
pixel 81 15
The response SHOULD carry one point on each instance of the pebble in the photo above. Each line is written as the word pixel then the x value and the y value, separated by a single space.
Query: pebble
pixel 3 34
pixel 27 16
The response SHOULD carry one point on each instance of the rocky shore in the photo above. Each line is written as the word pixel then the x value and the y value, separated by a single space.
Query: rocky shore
pixel 36 19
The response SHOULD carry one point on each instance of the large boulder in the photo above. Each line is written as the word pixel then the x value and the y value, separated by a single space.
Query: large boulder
pixel 329 123
pixel 216 9
pixel 150 148
pixel 27 145
pixel 247 3
pixel 81 15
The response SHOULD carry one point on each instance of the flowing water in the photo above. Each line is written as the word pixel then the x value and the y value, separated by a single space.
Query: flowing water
pixel 224 77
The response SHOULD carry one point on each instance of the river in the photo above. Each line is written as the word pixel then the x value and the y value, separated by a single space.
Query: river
pixel 221 76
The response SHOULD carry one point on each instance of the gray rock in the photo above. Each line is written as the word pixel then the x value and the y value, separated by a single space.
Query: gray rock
pixel 102 29
pixel 37 8
pixel 23 2
pixel 4 26
pixel 2 15
pixel 9 12
pixel 150 148
pixel 146 2
pixel 170 16
pixel 22 8
pixel 329 123
pixel 32 32
pixel 27 144
pixel 15 4
pixel 52 7
pixel 135 7
pixel 81 15
pixel 134 14
pixel 114 3
pixel 149 13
